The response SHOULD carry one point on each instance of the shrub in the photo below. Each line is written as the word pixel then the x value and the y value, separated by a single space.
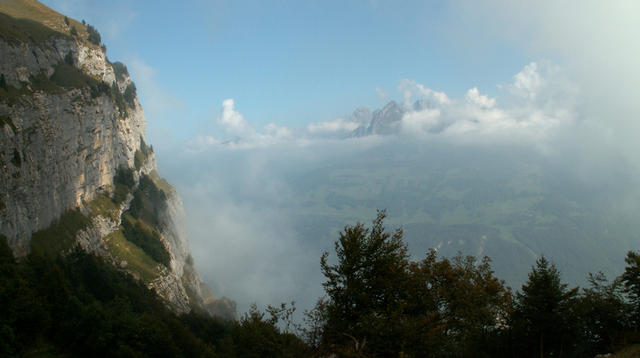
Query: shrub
pixel 139 159
pixel 146 238
pixel 100 88
pixel 120 69
pixel 68 59
pixel 130 94
pixel 123 182
pixel 94 36
pixel 119 99
pixel 68 76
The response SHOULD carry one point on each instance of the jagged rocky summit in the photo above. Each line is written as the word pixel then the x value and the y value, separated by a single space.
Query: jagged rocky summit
pixel 75 169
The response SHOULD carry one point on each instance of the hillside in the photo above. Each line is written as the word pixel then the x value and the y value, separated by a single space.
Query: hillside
pixel 76 171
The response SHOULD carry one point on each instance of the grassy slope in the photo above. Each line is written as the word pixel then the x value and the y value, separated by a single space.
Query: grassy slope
pixel 34 10
pixel 137 260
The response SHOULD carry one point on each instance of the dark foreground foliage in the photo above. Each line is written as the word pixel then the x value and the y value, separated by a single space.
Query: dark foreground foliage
pixel 79 306
pixel 378 303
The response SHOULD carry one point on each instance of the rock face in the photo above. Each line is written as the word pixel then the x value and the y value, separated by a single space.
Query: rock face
pixel 69 121
pixel 386 120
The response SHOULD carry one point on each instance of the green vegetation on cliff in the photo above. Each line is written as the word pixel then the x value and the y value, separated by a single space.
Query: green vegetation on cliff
pixel 138 241
pixel 60 236
pixel 146 238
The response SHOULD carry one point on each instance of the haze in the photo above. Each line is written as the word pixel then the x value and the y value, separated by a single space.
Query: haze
pixel 256 115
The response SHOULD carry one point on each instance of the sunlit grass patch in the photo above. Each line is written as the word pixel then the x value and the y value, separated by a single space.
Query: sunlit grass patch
pixel 137 260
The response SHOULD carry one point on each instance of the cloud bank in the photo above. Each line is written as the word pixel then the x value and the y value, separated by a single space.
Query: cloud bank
pixel 237 186
pixel 534 108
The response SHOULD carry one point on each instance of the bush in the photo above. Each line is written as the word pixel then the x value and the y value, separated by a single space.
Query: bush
pixel 120 69
pixel 149 202
pixel 67 76
pixel 130 94
pixel 68 58
pixel 118 99
pixel 94 35
pixel 146 238
pixel 99 89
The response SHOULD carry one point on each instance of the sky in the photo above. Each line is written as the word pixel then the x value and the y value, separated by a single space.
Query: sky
pixel 234 91
pixel 286 62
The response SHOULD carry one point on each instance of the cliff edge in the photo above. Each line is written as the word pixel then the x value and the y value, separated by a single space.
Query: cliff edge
pixel 75 169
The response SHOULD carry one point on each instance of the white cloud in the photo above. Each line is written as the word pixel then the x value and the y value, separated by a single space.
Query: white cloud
pixel 335 126
pixel 421 121
pixel 411 89
pixel 529 119
pixel 534 108
pixel 233 121
pixel 527 83
pixel 381 93
pixel 243 134
pixel 474 97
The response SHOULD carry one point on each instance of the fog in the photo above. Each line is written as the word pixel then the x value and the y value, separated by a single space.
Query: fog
pixel 257 232
pixel 566 124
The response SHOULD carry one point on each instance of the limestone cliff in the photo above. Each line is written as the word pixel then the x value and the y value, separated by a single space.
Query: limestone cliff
pixel 75 169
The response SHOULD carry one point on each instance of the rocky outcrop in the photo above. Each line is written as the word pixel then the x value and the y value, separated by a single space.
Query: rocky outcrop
pixel 69 122
pixel 59 146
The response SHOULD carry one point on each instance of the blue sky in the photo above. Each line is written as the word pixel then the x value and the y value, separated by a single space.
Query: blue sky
pixel 290 62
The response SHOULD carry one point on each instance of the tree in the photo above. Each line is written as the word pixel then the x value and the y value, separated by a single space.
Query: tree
pixel 543 317
pixel 130 94
pixel 94 36
pixel 456 307
pixel 603 315
pixel 365 289
pixel 631 279
pixel 380 304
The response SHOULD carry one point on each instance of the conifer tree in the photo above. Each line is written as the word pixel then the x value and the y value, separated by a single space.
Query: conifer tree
pixel 543 317
pixel 363 287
